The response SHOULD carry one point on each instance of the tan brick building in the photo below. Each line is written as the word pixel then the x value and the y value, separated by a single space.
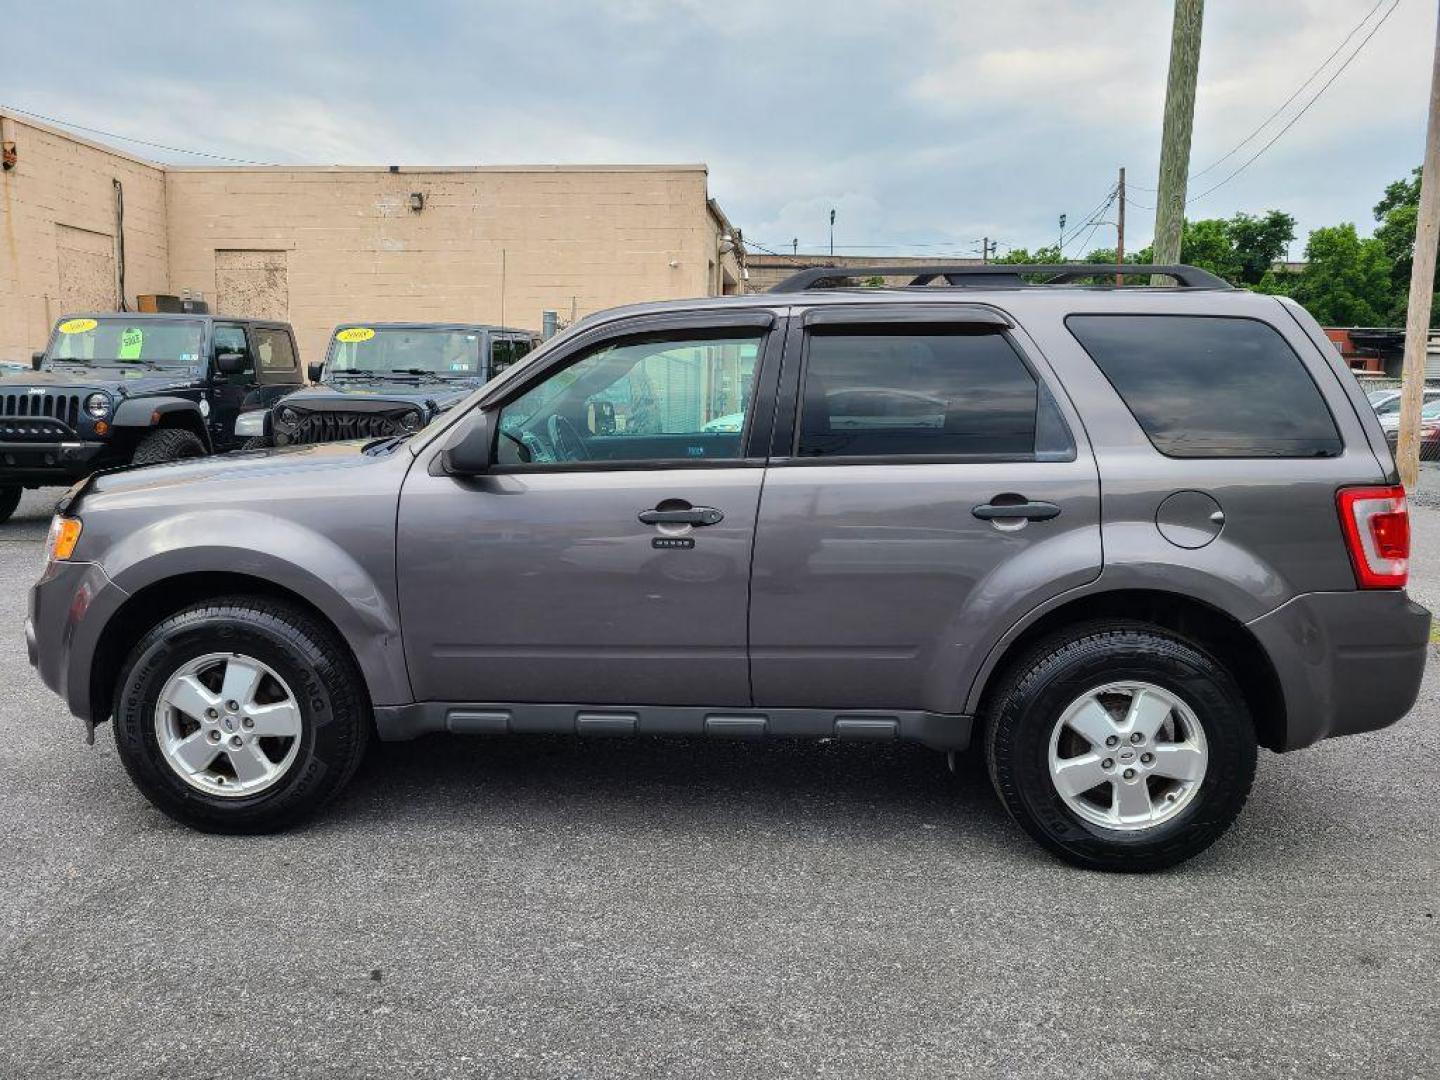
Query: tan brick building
pixel 320 245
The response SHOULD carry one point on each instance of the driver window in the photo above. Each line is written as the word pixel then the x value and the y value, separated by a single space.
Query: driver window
pixel 668 400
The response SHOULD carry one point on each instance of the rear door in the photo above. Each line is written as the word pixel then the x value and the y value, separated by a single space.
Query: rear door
pixel 228 392
pixel 929 485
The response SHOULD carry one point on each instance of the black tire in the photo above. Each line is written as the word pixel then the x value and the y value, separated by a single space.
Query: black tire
pixel 1034 694
pixel 256 442
pixel 313 661
pixel 167 444
pixel 9 500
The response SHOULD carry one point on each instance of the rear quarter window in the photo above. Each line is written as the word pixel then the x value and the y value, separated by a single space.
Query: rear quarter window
pixel 1205 386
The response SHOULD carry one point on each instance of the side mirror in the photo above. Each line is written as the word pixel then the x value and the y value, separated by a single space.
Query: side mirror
pixel 230 363
pixel 36 359
pixel 473 450
pixel 315 369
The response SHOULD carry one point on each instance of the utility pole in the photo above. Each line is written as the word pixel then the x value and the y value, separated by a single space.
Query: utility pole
pixel 1060 244
pixel 832 230
pixel 1175 137
pixel 1120 228
pixel 1422 284
pixel 986 249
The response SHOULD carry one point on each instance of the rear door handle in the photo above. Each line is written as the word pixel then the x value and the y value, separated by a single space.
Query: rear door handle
pixel 696 515
pixel 1030 511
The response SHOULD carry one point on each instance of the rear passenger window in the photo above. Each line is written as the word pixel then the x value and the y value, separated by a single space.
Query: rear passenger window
pixel 929 394
pixel 274 349
pixel 1208 387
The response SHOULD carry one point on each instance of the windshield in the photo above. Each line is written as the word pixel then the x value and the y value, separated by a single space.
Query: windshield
pixel 387 351
pixel 118 340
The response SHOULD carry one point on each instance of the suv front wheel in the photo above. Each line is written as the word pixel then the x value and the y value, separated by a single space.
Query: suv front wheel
pixel 1119 746
pixel 240 715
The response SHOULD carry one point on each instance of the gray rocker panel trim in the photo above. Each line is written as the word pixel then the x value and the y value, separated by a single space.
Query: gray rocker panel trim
pixel 939 730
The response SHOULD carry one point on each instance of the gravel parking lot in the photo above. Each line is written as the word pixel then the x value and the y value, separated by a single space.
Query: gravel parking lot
pixel 557 908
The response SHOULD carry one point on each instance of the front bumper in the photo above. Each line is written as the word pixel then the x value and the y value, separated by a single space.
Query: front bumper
pixel 1348 662
pixel 42 464
pixel 69 606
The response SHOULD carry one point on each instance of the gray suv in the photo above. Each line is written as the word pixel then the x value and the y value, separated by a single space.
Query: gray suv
pixel 1117 537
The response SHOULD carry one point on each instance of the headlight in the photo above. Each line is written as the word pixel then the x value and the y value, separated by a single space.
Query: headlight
pixel 64 534
pixel 286 415
pixel 410 421
pixel 98 406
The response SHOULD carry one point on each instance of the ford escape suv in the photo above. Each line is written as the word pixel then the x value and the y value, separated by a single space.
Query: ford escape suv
pixel 1119 537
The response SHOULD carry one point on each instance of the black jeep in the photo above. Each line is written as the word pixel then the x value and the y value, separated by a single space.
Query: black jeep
pixel 382 379
pixel 127 388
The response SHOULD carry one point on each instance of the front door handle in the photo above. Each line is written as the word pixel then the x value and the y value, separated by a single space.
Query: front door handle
pixel 1029 511
pixel 695 515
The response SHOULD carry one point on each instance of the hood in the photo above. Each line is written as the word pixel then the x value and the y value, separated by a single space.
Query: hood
pixel 183 481
pixel 120 381
pixel 430 393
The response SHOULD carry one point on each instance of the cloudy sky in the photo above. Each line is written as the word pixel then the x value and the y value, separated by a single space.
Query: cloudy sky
pixel 926 124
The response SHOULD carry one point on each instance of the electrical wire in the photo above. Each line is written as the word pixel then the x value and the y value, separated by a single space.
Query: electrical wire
pixel 1298 90
pixel 126 138
pixel 1295 119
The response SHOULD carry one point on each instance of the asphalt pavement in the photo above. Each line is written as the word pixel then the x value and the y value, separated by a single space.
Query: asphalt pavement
pixel 553 908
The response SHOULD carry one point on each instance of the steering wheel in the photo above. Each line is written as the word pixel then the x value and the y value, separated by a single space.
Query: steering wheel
pixel 565 440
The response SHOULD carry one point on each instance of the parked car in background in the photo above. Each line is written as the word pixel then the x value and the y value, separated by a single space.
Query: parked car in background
pixel 1387 402
pixel 1119 537
pixel 1429 429
pixel 135 389
pixel 380 379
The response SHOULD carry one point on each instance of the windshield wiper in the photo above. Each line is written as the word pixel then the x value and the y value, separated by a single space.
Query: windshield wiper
pixel 423 372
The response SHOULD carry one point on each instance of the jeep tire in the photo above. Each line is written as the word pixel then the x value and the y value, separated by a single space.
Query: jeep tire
pixel 9 500
pixel 1101 678
pixel 302 668
pixel 167 444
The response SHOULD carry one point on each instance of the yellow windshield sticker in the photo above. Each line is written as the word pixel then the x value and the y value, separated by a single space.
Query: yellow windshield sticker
pixel 355 333
pixel 77 326
pixel 132 340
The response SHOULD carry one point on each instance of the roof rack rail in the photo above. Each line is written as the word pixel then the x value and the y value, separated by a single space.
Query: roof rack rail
pixel 996 275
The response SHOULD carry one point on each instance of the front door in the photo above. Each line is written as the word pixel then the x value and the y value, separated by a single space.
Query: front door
pixel 892 541
pixel 228 392
pixel 606 558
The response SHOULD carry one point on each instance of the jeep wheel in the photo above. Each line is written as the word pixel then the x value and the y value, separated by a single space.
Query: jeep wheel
pixel 241 715
pixel 1118 746
pixel 9 500
pixel 167 444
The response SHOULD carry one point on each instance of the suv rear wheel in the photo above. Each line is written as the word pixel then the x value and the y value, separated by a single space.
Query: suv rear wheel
pixel 240 715
pixel 1119 746
pixel 9 500
pixel 167 444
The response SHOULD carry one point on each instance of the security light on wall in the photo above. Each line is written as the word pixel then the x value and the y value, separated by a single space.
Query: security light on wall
pixel 417 200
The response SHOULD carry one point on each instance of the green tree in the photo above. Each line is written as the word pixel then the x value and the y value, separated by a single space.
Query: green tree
pixel 1396 214
pixel 1259 241
pixel 1347 279
pixel 1207 244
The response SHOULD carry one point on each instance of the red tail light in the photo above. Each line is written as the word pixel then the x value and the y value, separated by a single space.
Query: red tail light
pixel 1377 533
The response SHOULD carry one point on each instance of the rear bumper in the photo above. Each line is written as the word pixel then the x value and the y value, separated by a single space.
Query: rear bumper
pixel 1348 662
pixel 32 464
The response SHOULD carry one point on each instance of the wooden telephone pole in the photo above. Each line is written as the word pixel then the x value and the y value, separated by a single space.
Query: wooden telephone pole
pixel 1422 285
pixel 1120 228
pixel 1175 138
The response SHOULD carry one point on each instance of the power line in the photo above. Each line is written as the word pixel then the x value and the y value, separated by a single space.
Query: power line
pixel 1295 119
pixel 126 138
pixel 1298 90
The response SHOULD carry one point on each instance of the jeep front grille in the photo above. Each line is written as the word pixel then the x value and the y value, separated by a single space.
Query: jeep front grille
pixel 61 408
pixel 315 427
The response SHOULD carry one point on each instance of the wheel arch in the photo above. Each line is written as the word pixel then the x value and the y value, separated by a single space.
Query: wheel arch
pixel 165 597
pixel 137 416
pixel 1222 635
